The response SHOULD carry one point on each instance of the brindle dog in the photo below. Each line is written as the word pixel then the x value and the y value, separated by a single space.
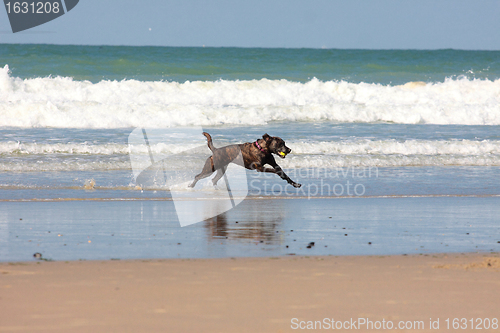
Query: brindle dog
pixel 255 156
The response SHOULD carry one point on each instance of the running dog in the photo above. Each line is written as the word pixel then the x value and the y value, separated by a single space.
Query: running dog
pixel 255 156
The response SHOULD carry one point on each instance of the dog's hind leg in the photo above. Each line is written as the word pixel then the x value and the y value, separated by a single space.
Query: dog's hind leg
pixel 220 173
pixel 208 169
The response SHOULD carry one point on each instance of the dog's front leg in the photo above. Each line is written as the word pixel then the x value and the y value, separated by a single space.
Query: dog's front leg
pixel 277 170
pixel 283 175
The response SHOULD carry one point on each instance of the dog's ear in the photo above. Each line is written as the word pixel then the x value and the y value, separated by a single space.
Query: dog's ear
pixel 266 137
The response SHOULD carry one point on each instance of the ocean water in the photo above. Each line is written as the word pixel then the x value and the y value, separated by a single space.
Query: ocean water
pixel 360 123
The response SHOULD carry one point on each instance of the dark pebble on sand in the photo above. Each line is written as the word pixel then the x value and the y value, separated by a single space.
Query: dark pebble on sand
pixel 262 241
pixel 345 234
pixel 498 242
pixel 291 230
pixel 37 255
pixel 236 221
pixel 308 246
pixel 466 233
pixel 20 219
pixel 287 246
pixel 369 243
pixel 311 243
pixel 177 243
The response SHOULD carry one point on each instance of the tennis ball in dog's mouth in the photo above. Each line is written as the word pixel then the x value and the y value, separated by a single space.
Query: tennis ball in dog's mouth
pixel 282 154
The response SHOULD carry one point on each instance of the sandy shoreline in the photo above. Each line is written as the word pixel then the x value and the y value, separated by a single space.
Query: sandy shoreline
pixel 247 294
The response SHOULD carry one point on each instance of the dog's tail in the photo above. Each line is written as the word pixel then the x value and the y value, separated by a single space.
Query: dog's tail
pixel 209 141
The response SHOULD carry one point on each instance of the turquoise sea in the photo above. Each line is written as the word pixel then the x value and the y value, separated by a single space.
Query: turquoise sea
pixel 375 129
pixel 175 64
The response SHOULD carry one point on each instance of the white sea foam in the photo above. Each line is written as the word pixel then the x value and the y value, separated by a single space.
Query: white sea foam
pixel 291 162
pixel 19 148
pixel 351 147
pixel 62 102
pixel 395 147
pixel 18 156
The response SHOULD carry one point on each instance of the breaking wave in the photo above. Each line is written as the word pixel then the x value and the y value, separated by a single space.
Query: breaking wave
pixel 62 102
pixel 17 156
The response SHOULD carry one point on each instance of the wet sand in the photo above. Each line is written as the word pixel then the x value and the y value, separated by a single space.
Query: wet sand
pixel 248 294
pixel 148 229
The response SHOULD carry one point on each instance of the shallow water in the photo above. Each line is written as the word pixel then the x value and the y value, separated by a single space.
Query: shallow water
pixel 89 230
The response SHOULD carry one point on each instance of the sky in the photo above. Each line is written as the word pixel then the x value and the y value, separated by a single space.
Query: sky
pixel 342 24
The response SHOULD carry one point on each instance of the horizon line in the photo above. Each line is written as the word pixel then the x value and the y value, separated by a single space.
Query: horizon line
pixel 261 47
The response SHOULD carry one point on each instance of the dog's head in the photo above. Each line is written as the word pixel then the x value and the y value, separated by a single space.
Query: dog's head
pixel 276 145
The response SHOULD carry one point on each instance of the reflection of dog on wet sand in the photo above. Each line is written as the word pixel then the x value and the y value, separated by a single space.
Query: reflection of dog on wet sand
pixel 255 155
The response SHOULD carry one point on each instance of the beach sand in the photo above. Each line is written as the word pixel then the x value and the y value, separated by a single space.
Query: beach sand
pixel 254 270
pixel 248 294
